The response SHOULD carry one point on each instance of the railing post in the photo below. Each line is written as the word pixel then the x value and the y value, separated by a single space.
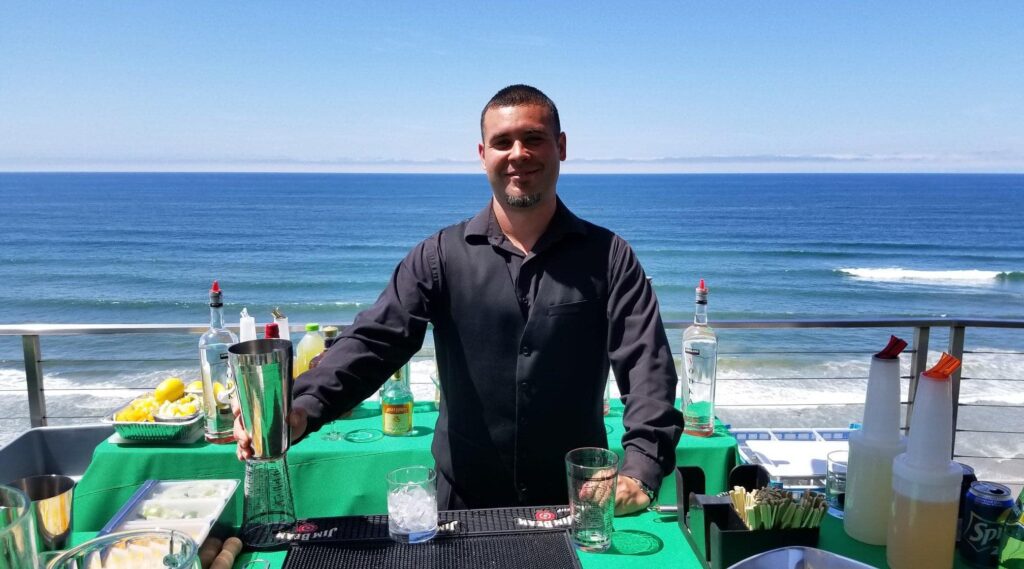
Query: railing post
pixel 956 349
pixel 34 380
pixel 918 364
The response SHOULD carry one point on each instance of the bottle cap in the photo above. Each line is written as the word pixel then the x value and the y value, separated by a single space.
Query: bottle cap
pixel 271 330
pixel 702 293
pixel 330 331
pixel 215 296
pixel 312 327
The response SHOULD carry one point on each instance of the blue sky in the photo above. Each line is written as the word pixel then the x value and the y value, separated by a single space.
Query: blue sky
pixel 398 86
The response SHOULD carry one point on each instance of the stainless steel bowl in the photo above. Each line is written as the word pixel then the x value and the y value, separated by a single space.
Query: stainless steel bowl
pixel 798 558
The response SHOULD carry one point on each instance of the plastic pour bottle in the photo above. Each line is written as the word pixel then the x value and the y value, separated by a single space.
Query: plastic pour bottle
pixel 309 347
pixel 873 448
pixel 926 481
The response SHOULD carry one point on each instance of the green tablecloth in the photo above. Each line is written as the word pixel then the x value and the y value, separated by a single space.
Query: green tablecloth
pixel 329 478
pixel 344 478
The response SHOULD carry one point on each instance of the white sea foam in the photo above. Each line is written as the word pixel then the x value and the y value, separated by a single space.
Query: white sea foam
pixel 897 274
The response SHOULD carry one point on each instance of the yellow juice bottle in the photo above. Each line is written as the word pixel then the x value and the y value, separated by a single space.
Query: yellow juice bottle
pixel 309 347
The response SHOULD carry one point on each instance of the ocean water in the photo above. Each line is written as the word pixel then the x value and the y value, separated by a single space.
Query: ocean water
pixel 144 248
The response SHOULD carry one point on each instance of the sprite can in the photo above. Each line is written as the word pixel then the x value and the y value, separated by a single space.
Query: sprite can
pixel 988 507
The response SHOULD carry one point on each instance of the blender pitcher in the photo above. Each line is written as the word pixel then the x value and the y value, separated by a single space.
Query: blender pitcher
pixel 263 374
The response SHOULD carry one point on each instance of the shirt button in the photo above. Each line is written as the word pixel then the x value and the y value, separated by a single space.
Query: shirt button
pixel 525 350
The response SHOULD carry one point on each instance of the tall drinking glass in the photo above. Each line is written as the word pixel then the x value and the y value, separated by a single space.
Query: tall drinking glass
pixel 592 475
pixel 17 530
pixel 835 481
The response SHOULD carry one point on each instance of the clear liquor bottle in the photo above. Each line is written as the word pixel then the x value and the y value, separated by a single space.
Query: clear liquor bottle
pixel 396 406
pixel 700 360
pixel 216 373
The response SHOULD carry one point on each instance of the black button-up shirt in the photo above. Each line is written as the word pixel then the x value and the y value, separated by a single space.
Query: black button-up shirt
pixel 523 345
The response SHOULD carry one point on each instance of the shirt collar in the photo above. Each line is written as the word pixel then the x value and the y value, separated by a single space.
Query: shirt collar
pixel 484 226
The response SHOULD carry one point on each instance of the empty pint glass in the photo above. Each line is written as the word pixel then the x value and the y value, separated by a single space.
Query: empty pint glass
pixel 592 474
pixel 263 375
pixel 17 530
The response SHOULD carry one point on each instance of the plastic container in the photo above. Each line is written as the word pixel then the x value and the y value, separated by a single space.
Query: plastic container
pixel 872 450
pixel 195 507
pixel 926 482
pixel 308 348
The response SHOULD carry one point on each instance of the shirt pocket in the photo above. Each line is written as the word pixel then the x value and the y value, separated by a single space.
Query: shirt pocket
pixel 575 307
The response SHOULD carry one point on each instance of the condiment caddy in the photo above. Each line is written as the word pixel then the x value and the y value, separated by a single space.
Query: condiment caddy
pixel 194 507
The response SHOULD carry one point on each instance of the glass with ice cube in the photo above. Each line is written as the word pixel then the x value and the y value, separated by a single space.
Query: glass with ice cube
pixel 412 504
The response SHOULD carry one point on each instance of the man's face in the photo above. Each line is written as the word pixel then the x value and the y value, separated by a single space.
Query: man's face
pixel 521 153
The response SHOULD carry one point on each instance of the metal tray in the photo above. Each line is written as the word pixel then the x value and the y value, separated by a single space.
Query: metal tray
pixel 798 558
pixel 156 431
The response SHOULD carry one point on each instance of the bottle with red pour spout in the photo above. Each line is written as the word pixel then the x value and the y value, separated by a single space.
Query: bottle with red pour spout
pixel 213 364
pixel 925 480
pixel 873 448
pixel 700 361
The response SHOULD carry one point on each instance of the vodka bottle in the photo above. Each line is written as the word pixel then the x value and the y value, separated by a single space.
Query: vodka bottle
pixel 396 406
pixel 700 359
pixel 217 382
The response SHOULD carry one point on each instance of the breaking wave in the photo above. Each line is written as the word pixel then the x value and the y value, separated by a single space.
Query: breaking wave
pixel 966 276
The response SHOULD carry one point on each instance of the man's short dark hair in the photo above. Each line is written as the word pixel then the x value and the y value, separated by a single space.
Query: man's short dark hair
pixel 518 96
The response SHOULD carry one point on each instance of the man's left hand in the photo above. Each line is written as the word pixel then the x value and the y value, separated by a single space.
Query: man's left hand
pixel 629 497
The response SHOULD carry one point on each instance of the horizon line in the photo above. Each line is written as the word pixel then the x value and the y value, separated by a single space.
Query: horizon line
pixel 594 173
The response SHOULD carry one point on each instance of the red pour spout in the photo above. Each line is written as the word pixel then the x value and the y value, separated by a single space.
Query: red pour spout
pixel 215 287
pixel 701 285
pixel 892 351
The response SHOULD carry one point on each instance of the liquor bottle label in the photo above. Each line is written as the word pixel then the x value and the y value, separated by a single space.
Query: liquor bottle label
pixel 397 418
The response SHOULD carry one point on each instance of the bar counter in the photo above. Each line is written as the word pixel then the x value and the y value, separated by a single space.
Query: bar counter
pixel 332 478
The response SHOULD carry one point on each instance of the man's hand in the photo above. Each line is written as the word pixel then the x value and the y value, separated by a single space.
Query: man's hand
pixel 629 497
pixel 599 490
pixel 297 420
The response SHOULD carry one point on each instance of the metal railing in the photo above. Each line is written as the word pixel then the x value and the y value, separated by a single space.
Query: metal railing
pixel 918 350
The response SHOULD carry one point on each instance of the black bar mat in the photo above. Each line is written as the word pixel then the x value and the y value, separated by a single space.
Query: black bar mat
pixel 506 551
pixel 451 523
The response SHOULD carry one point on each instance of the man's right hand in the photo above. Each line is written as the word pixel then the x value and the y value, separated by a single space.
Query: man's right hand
pixel 297 420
